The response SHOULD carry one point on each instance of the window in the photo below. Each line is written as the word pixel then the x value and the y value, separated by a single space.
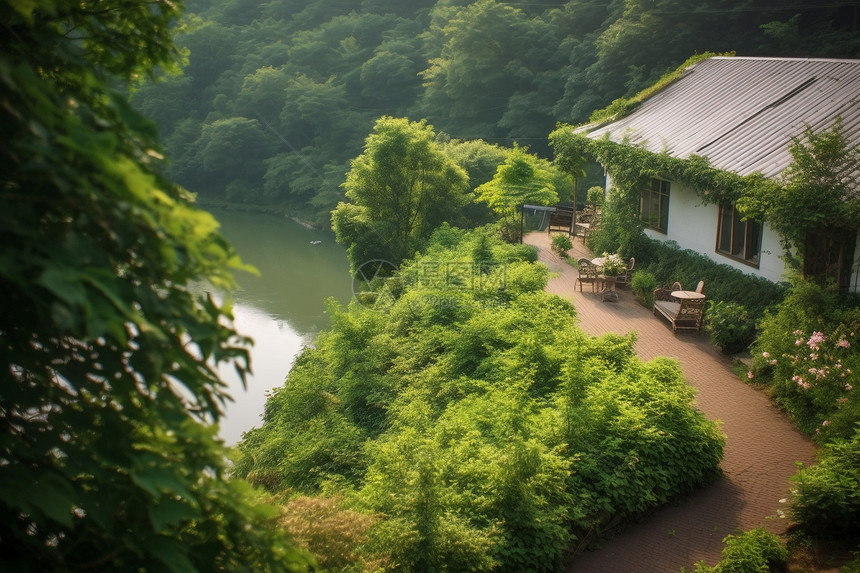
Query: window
pixel 736 238
pixel 654 205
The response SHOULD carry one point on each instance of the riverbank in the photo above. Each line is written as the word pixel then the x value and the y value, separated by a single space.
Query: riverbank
pixel 274 210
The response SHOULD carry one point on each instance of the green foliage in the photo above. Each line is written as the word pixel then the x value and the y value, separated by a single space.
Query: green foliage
pixel 643 284
pixel 502 72
pixel 730 326
pixel 825 502
pixel 809 350
pixel 613 265
pixel 485 430
pixel 816 190
pixel 561 244
pixel 109 391
pixel 596 196
pixel 402 187
pixel 522 179
pixel 333 534
pixel 754 551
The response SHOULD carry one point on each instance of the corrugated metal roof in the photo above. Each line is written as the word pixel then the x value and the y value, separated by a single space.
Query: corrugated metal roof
pixel 741 113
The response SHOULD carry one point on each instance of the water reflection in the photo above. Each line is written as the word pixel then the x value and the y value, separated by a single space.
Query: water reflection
pixel 282 309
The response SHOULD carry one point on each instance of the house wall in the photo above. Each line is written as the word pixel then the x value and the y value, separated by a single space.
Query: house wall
pixel 693 225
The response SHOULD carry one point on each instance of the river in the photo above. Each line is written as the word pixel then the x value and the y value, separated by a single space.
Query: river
pixel 282 309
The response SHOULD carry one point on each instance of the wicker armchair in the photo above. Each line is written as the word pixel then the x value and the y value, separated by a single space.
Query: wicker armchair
pixel 588 273
pixel 624 278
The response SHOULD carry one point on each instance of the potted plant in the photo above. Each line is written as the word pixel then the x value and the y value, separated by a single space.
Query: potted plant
pixel 613 265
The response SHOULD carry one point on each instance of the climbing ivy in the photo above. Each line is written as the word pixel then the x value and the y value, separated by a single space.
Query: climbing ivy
pixel 817 189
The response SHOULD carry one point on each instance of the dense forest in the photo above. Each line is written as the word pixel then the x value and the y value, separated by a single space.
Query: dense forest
pixel 277 97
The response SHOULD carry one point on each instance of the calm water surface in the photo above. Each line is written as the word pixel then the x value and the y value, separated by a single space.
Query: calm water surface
pixel 283 309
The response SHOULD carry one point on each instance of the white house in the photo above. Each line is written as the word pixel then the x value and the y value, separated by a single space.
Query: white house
pixel 742 113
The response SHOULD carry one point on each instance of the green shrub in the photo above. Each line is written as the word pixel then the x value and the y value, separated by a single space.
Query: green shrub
pixel 755 551
pixel 730 326
pixel 643 284
pixel 596 195
pixel 561 244
pixel 668 263
pixel 826 498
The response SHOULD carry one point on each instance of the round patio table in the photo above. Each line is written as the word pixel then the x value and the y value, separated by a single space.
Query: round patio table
pixel 687 294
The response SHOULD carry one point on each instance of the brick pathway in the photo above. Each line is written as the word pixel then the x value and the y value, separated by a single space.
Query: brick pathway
pixel 762 445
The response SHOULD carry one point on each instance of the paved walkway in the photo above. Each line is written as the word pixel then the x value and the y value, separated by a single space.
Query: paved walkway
pixel 762 445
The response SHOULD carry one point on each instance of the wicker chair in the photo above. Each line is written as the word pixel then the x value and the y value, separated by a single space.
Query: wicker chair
pixel 684 314
pixel 625 277
pixel 588 273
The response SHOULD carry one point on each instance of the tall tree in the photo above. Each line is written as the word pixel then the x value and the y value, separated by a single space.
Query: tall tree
pixel 523 179
pixel 108 460
pixel 402 187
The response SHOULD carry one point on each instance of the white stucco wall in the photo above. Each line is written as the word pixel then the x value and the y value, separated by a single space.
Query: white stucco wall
pixel 693 225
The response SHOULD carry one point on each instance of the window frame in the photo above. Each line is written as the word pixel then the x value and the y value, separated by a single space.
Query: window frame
pixel 751 255
pixel 659 189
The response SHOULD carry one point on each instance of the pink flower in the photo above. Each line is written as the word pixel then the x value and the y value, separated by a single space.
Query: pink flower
pixel 816 339
pixel 798 342
pixel 766 354
pixel 825 423
pixel 848 387
pixel 843 343
pixel 813 356
pixel 750 375
pixel 773 361
pixel 842 400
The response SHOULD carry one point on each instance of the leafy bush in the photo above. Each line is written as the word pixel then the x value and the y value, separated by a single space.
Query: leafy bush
pixel 826 498
pixel 487 430
pixel 321 525
pixel 561 244
pixel 755 551
pixel 809 350
pixel 643 284
pixel 730 326
pixel 596 195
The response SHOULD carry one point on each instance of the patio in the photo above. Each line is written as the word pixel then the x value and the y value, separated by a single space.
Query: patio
pixel 762 445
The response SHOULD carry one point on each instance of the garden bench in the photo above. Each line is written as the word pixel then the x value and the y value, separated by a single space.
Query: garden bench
pixel 683 313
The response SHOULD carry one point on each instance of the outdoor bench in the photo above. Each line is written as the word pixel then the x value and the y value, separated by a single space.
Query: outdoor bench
pixel 683 313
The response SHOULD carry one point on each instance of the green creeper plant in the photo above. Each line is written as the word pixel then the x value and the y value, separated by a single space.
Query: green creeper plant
pixel 109 391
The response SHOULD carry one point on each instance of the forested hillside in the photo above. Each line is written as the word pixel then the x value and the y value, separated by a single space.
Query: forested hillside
pixel 278 96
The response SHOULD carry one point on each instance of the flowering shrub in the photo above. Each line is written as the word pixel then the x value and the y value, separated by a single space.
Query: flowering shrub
pixel 813 366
